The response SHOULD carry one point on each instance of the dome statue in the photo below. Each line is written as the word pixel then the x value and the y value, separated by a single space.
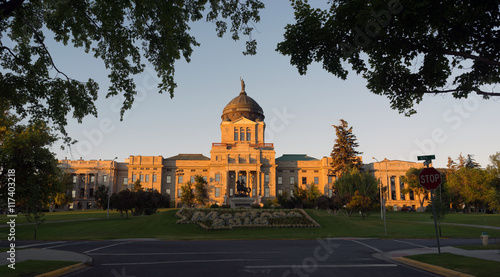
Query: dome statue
pixel 242 106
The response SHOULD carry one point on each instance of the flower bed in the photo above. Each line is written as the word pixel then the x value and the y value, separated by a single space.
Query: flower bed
pixel 223 219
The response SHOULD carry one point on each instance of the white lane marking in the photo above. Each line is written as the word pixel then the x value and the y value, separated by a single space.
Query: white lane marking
pixel 321 265
pixel 99 248
pixel 423 246
pixel 369 246
pixel 38 244
pixel 185 261
pixel 66 244
pixel 186 253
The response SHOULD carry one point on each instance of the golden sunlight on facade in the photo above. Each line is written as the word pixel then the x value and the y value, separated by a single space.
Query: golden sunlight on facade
pixel 242 154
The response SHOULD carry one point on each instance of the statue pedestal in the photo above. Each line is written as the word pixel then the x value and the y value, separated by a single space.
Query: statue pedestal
pixel 241 202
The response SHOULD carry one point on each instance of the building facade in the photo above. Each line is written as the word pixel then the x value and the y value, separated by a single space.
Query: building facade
pixel 242 154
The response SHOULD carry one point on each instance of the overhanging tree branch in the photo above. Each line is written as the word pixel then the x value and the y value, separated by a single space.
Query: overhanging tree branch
pixel 470 56
pixel 478 91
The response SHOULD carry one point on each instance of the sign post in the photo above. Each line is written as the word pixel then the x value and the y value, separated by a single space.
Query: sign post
pixel 430 179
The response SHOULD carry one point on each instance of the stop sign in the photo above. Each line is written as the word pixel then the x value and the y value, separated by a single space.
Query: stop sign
pixel 429 178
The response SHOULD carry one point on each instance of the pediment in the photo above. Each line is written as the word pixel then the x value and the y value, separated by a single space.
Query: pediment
pixel 243 120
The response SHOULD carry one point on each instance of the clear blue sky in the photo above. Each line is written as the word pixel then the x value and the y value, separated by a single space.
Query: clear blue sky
pixel 299 110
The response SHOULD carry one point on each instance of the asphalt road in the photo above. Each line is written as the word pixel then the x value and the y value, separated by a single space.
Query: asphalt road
pixel 321 257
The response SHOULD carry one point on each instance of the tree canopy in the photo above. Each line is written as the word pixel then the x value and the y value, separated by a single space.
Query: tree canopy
pixel 404 49
pixel 122 34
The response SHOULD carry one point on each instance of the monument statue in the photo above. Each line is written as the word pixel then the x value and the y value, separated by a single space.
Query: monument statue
pixel 242 84
pixel 241 190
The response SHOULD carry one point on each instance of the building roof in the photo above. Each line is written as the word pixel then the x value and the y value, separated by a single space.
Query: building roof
pixel 295 157
pixel 196 157
pixel 242 106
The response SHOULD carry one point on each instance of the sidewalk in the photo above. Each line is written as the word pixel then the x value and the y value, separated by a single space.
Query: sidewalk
pixel 399 256
pixel 45 255
pixel 491 255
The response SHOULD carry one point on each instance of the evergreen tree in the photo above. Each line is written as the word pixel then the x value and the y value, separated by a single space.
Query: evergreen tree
pixel 344 154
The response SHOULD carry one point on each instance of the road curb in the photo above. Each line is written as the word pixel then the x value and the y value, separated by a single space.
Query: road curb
pixel 432 268
pixel 64 270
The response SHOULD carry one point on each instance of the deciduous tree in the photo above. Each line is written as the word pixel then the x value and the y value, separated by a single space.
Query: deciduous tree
pixel 124 35
pixel 413 185
pixel 403 48
pixel 187 197
pixel 355 181
pixel 201 190
pixel 25 150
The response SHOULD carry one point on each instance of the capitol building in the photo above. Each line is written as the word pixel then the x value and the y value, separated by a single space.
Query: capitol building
pixel 242 154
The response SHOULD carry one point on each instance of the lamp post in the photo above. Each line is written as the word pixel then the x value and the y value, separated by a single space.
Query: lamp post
pixel 109 183
pixel 380 189
pixel 382 204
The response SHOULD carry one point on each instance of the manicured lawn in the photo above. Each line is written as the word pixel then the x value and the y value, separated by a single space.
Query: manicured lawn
pixel 473 266
pixel 33 268
pixel 479 247
pixel 162 226
pixel 67 215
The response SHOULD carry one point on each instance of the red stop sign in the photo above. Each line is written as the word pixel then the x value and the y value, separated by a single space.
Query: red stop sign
pixel 429 178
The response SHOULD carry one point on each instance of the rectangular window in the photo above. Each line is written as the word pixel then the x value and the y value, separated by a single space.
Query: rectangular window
pixel 73 193
pixel 147 177
pixel 105 178
pixel 74 179
pixel 266 178
pixel 316 180
pixel 304 180
pixel 91 193
pixel 280 192
pixel 205 178
pixel 242 135
pixel 179 193
pixel 217 192
pixel 92 178
pixel 266 192
pixel 168 191
pixel 82 192
pixel 330 179
pixel 192 179
pixel 180 179
pixel 291 192
pixel 231 192
pixel 330 192
pixel 235 134
pixel 412 196
pixel 292 180
pixel 154 178
pixel 280 180
pixel 217 177
pixel 133 177
pixel 393 188
pixel 125 181
pixel 401 188
pixel 169 179
pixel 141 177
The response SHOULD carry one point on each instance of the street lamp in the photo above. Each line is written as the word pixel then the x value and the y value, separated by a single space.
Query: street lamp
pixel 109 183
pixel 380 189
pixel 382 204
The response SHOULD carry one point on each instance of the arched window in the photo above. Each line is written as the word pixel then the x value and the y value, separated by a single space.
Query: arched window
pixel 249 135
pixel 235 134
pixel 242 134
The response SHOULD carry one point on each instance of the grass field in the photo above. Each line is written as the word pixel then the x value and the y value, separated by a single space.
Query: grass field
pixel 33 268
pixel 162 226
pixel 473 266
